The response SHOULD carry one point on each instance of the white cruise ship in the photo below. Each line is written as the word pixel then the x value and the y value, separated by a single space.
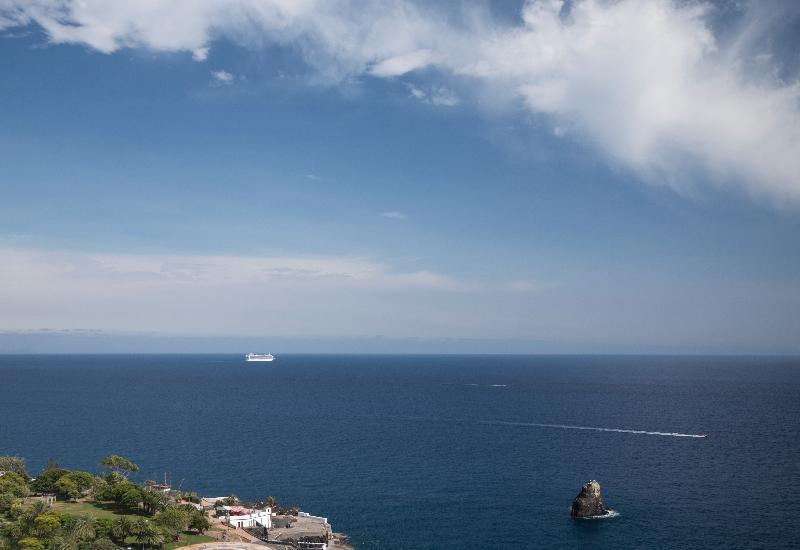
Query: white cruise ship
pixel 259 357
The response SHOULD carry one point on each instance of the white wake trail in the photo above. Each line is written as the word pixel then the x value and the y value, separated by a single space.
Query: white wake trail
pixel 591 428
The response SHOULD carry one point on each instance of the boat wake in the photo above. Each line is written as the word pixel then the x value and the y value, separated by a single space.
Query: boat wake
pixel 474 384
pixel 591 428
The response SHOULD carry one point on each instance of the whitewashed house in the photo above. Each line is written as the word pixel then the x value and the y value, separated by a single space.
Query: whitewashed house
pixel 240 517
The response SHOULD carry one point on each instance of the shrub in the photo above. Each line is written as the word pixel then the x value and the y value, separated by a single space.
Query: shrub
pixel 31 543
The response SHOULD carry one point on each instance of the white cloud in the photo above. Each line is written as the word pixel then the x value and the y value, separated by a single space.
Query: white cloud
pixel 402 64
pixel 218 294
pixel 434 95
pixel 416 92
pixel 200 54
pixel 223 77
pixel 313 177
pixel 394 215
pixel 647 84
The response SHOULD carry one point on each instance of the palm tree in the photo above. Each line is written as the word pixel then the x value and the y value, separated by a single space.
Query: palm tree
pixel 153 502
pixel 85 528
pixel 147 534
pixel 68 542
pixel 199 522
pixel 121 529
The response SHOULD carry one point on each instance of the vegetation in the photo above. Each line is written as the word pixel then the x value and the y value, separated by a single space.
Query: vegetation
pixel 93 512
pixel 118 465
pixel 14 464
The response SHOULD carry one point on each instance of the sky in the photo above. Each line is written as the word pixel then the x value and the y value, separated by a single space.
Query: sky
pixel 397 176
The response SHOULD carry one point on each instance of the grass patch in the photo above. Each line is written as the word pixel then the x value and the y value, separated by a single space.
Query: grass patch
pixel 186 540
pixel 93 508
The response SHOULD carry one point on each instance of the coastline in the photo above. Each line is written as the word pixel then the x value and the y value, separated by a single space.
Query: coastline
pixel 108 511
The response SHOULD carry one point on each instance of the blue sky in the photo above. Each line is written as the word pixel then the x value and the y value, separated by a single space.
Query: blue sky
pixel 313 177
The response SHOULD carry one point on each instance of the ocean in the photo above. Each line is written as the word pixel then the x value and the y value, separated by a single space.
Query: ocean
pixel 441 451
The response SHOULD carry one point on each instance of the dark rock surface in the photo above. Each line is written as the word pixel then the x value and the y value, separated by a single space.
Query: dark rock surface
pixel 589 502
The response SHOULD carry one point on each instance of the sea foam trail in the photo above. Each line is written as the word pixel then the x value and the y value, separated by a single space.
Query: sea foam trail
pixel 591 428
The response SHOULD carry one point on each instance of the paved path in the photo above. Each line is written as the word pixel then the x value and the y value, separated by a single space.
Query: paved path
pixel 224 546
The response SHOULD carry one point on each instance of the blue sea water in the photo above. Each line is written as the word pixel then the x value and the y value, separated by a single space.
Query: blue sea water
pixel 440 451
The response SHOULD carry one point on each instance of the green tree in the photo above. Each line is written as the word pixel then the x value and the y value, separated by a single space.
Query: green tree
pixel 153 502
pixel 67 488
pixel 146 534
pixel 174 520
pixel 85 528
pixel 16 509
pixel 119 465
pixel 199 522
pixel 131 499
pixel 99 488
pixel 84 480
pixel 14 484
pixel 6 501
pixel 14 464
pixel 46 524
pixel 121 529
pixel 103 527
pixel 46 482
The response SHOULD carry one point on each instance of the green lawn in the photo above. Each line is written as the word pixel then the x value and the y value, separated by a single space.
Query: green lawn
pixel 109 510
pixel 96 509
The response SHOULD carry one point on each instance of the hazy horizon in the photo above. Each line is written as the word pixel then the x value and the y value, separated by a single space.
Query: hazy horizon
pixel 97 342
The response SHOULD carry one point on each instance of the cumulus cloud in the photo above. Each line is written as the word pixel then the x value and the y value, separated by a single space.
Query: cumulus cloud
pixel 222 77
pixel 200 54
pixel 647 84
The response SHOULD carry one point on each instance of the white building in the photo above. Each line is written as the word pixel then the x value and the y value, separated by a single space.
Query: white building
pixel 238 516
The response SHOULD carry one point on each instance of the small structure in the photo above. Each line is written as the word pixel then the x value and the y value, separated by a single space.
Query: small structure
pixel 209 502
pixel 240 517
pixel 47 498
pixel 162 488
pixel 303 531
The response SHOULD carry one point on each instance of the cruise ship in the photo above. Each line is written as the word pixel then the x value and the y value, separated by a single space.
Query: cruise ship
pixel 259 357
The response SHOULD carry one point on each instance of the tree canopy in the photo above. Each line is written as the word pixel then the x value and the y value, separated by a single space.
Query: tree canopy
pixel 46 481
pixel 119 464
pixel 174 520
pixel 14 464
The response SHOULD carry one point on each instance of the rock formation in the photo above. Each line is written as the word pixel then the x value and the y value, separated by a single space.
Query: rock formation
pixel 589 502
